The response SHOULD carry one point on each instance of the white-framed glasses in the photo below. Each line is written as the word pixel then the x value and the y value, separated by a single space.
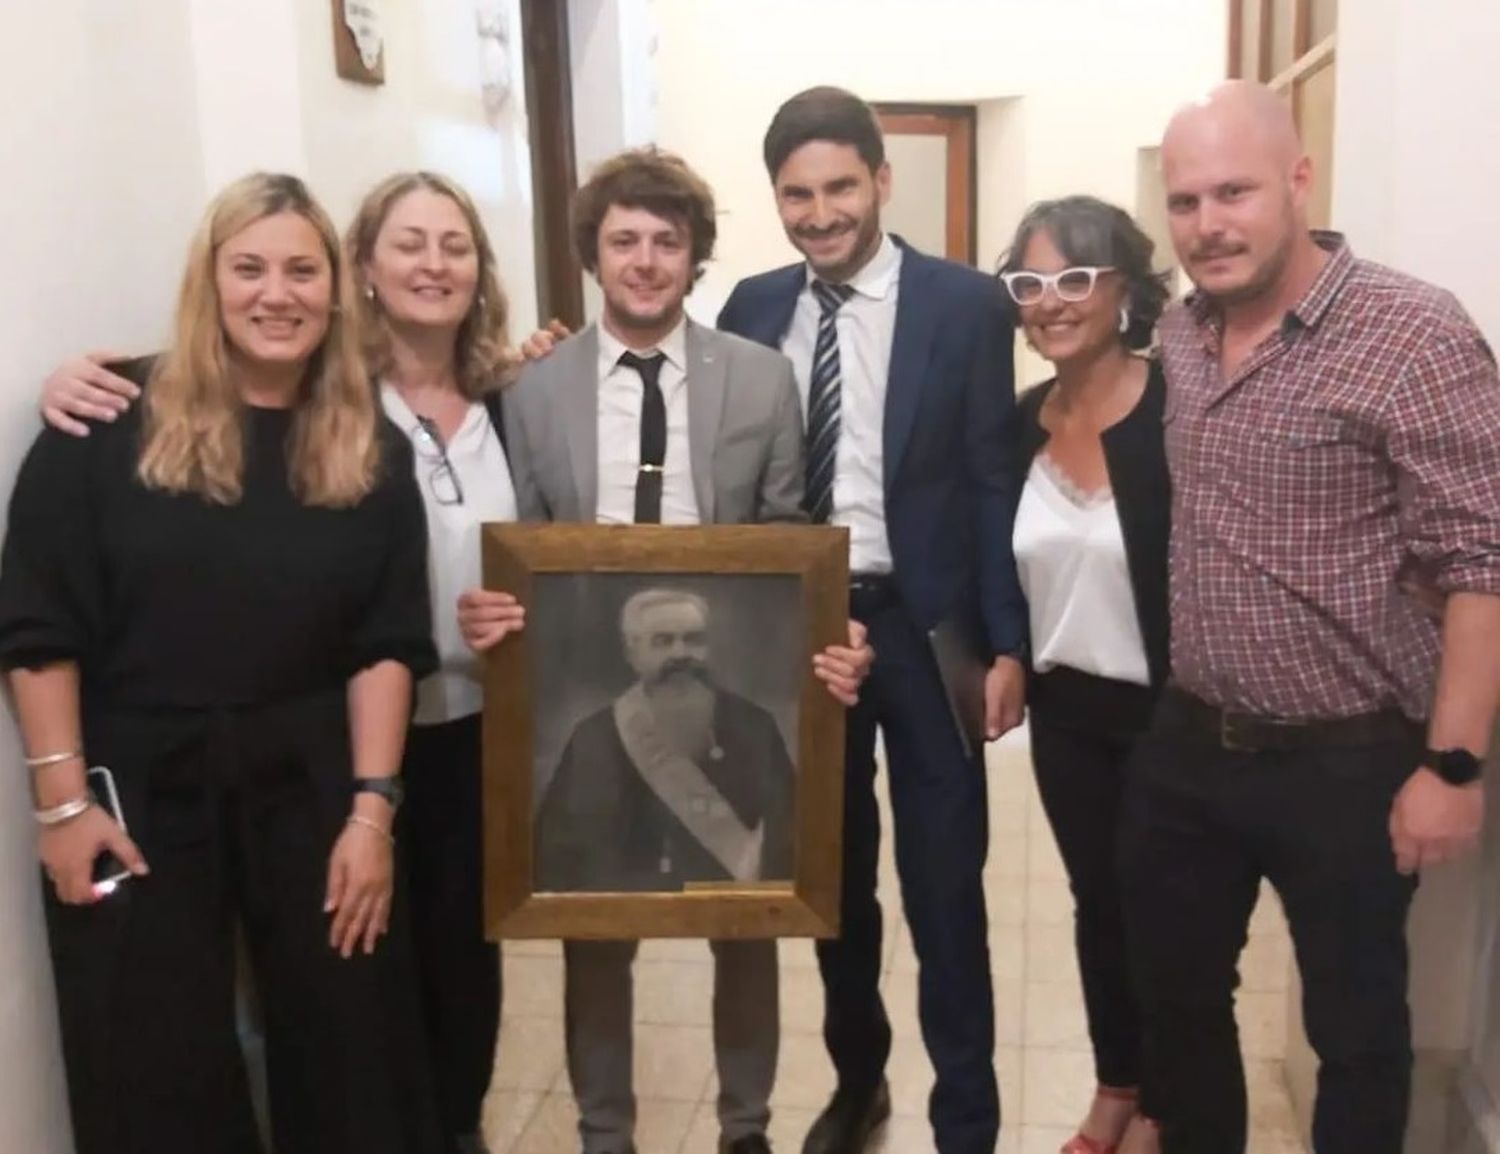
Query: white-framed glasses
pixel 1071 284
pixel 430 448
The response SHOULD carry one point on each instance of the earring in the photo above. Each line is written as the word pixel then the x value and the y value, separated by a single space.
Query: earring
pixel 1124 319
pixel 370 293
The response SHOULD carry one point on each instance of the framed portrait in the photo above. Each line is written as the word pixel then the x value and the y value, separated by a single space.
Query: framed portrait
pixel 659 759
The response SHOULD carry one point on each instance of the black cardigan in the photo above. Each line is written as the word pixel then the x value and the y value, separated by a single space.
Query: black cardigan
pixel 1135 455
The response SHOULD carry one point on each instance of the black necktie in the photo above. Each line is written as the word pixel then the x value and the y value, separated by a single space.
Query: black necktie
pixel 653 437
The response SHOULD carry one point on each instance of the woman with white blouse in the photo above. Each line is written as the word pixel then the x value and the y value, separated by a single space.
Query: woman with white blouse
pixel 1090 542
pixel 436 343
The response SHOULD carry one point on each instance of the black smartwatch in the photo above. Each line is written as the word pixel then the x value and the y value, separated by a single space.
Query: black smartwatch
pixel 390 788
pixel 1455 766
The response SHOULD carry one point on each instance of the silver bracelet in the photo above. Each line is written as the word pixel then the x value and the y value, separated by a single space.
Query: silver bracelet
pixel 67 811
pixel 358 819
pixel 52 759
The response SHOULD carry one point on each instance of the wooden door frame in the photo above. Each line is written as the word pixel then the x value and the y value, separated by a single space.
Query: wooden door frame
pixel 959 124
pixel 1301 36
pixel 548 67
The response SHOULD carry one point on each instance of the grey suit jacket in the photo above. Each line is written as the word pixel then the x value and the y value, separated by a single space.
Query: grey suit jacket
pixel 744 431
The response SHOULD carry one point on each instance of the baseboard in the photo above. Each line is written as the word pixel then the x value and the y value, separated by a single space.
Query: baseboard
pixel 1476 1127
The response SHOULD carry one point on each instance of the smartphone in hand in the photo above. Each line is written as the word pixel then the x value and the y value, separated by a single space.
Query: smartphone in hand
pixel 109 871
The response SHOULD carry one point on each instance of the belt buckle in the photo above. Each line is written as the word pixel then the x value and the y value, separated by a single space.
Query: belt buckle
pixel 1227 730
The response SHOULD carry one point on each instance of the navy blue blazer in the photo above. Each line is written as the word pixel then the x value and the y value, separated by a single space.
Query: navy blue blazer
pixel 950 437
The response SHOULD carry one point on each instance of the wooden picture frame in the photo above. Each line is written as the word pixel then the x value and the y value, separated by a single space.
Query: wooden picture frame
pixel 532 695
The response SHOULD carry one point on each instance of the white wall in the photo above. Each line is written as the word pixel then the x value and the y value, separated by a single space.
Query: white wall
pixel 1414 187
pixel 1096 81
pixel 103 172
pixel 1414 175
pixel 269 97
pixel 249 95
pixel 611 55
pixel 428 114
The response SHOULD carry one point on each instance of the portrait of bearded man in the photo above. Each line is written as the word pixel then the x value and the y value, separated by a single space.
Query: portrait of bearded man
pixel 677 781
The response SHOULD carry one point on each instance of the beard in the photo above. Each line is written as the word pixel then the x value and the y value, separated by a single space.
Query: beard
pixel 866 232
pixel 1264 278
pixel 682 703
pixel 680 671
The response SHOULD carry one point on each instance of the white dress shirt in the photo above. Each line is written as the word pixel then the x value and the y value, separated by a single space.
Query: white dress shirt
pixel 866 325
pixel 453 558
pixel 1070 553
pixel 620 392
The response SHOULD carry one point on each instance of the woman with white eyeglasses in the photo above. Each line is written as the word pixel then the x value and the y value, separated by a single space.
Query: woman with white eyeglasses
pixel 433 320
pixel 1090 543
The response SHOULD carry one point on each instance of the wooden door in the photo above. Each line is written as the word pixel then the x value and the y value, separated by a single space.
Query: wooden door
pixel 933 178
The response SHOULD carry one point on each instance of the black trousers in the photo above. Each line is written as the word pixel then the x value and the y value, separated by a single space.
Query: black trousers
pixel 1203 826
pixel 941 827
pixel 459 971
pixel 1083 729
pixel 236 813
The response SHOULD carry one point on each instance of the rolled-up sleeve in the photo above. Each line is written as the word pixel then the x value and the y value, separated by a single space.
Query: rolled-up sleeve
pixel 397 622
pixel 1444 440
pixel 51 579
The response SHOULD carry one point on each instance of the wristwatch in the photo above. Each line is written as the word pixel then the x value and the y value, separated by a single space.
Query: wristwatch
pixel 391 788
pixel 1455 766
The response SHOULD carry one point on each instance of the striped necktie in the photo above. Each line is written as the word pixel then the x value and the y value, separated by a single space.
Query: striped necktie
pixel 824 404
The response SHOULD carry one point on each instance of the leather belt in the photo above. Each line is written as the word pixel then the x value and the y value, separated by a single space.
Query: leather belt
pixel 869 593
pixel 1251 732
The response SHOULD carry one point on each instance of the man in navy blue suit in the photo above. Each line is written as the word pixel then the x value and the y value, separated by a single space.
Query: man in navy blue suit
pixel 905 365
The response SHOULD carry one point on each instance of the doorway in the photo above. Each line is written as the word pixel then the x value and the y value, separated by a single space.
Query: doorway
pixel 931 149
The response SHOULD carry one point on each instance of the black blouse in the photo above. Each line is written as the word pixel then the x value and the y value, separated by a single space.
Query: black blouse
pixel 169 600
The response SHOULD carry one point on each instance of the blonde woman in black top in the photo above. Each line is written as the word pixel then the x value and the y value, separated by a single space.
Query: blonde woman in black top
pixel 432 318
pixel 222 597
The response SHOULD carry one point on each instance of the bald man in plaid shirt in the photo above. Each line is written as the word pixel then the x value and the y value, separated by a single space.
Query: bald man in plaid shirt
pixel 1333 432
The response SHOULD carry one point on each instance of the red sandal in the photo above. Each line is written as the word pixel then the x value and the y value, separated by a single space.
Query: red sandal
pixel 1082 1143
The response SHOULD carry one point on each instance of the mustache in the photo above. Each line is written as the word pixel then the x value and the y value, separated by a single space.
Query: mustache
pixel 685 665
pixel 1215 251
pixel 813 232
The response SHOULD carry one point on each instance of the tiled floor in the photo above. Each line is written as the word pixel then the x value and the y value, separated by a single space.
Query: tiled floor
pixel 1041 1050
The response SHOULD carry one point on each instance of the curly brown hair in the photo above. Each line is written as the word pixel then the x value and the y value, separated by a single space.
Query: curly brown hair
pixel 657 181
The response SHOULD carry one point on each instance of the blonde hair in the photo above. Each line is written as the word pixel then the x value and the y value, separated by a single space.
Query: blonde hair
pixel 479 356
pixel 193 438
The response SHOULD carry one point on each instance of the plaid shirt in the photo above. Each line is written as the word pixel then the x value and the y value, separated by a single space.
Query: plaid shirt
pixel 1357 446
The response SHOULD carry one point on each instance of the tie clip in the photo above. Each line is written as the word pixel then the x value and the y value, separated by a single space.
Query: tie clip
pixel 650 469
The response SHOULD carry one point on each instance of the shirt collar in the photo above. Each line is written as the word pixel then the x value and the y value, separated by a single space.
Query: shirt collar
pixel 1315 302
pixel 673 346
pixel 879 273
